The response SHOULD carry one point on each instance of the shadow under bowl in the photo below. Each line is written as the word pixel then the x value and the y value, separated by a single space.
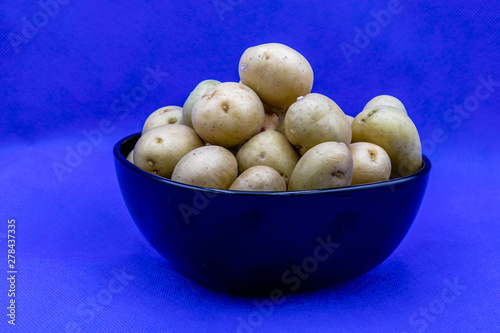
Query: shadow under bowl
pixel 256 242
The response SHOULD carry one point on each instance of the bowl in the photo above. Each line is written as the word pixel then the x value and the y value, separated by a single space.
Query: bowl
pixel 278 242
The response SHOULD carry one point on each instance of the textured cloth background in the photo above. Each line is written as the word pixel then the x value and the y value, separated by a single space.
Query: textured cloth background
pixel 77 76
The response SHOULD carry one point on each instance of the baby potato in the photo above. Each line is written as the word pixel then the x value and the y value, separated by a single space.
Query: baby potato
pixel 270 122
pixel 314 119
pixel 277 73
pixel 208 166
pixel 349 119
pixel 326 165
pixel 163 116
pixel 268 148
pixel 228 114
pixel 158 150
pixel 275 119
pixel 395 132
pixel 385 100
pixel 370 163
pixel 193 98
pixel 259 178
pixel 130 156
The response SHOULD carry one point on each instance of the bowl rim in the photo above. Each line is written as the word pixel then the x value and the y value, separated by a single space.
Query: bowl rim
pixel 426 167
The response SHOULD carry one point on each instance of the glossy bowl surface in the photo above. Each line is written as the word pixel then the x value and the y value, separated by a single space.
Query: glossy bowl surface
pixel 257 242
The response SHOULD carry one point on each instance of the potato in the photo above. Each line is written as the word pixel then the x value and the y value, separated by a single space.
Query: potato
pixel 271 121
pixel 275 119
pixel 259 178
pixel 228 114
pixel 277 73
pixel 130 156
pixel 208 166
pixel 326 165
pixel 385 100
pixel 268 148
pixel 395 132
pixel 193 98
pixel 349 119
pixel 314 119
pixel 158 150
pixel 370 162
pixel 163 116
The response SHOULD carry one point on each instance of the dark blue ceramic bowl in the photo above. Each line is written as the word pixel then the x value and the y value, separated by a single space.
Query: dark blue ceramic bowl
pixel 257 242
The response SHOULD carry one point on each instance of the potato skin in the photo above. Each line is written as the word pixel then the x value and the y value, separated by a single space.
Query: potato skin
pixel 326 165
pixel 195 95
pixel 314 119
pixel 130 156
pixel 395 132
pixel 208 166
pixel 163 116
pixel 275 119
pixel 350 119
pixel 277 73
pixel 228 114
pixel 158 150
pixel 268 148
pixel 387 100
pixel 259 178
pixel 370 163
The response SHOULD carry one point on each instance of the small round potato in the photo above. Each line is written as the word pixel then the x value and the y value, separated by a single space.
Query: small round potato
pixel 349 119
pixel 158 150
pixel 228 114
pixel 163 116
pixel 259 178
pixel 130 156
pixel 314 119
pixel 277 73
pixel 395 132
pixel 208 166
pixel 326 165
pixel 371 163
pixel 194 97
pixel 385 100
pixel 268 148
pixel 275 119
pixel 271 121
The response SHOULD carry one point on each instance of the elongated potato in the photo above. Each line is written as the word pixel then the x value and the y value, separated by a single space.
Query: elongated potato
pixel 371 163
pixel 277 73
pixel 314 119
pixel 208 166
pixel 259 178
pixel 326 165
pixel 395 132
pixel 158 150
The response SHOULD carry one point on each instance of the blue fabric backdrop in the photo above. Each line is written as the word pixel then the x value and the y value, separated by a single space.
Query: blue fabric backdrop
pixel 77 76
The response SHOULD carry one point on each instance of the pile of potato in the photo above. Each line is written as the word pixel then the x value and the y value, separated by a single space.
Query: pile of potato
pixel 270 133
